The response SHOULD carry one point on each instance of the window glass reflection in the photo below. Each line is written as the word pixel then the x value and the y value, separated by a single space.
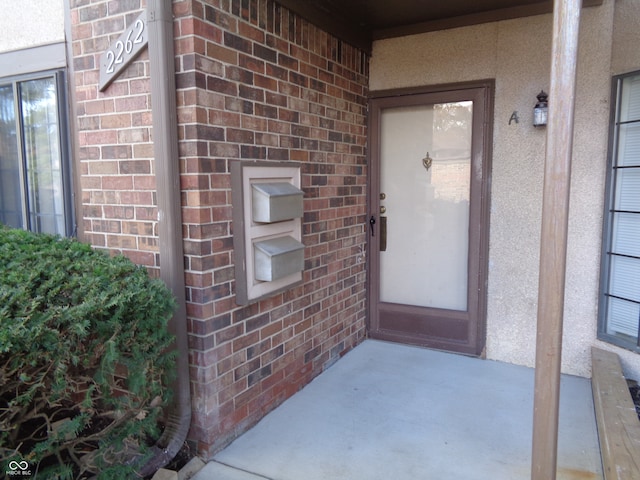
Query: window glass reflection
pixel 11 212
pixel 42 155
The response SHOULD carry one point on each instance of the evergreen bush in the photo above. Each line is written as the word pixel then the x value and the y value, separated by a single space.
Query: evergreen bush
pixel 84 359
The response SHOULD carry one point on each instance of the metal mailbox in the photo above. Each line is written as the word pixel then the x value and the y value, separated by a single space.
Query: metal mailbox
pixel 268 207
pixel 275 202
pixel 277 258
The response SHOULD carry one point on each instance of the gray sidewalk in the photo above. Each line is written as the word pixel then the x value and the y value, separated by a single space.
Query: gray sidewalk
pixel 393 412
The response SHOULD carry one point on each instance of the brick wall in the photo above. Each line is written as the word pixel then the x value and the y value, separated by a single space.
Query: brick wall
pixel 114 137
pixel 254 82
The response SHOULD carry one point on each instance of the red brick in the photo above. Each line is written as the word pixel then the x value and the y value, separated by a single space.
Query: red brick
pixel 286 72
pixel 121 241
pixel 100 137
pixel 117 183
pixel 144 182
pixel 137 228
pixel 102 167
pixel 140 257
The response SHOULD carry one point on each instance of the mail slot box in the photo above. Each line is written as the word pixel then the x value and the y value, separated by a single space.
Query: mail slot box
pixel 278 257
pixel 274 202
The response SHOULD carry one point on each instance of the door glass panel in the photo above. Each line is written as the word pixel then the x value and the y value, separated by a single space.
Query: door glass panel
pixel 10 197
pixel 42 155
pixel 427 204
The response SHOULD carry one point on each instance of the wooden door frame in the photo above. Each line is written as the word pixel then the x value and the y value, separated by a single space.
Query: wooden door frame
pixel 474 332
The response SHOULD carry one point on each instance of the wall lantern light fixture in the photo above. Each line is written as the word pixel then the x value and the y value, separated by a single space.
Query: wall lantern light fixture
pixel 541 110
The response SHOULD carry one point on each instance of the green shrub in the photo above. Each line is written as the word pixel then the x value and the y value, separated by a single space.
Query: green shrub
pixel 84 362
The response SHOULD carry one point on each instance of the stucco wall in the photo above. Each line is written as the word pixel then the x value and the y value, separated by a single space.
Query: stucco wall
pixel 625 55
pixel 29 23
pixel 516 53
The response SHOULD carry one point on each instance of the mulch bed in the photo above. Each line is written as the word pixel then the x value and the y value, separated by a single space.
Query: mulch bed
pixel 634 389
pixel 181 459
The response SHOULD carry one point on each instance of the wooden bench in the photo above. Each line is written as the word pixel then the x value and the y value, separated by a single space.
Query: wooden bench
pixel 618 424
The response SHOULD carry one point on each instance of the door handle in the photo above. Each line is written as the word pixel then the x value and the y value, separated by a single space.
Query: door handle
pixel 383 234
pixel 383 231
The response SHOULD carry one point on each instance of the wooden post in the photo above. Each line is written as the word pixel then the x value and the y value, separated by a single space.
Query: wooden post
pixel 553 243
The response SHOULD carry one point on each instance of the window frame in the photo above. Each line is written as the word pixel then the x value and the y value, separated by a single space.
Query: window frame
pixel 64 131
pixel 608 220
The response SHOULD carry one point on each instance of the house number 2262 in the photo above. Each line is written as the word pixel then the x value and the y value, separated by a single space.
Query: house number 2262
pixel 123 51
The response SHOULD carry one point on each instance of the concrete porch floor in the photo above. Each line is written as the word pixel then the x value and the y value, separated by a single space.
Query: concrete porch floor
pixel 394 412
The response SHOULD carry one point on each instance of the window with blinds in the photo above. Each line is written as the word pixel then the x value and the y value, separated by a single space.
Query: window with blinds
pixel 620 277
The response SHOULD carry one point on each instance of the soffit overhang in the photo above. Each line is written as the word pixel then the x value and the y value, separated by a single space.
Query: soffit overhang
pixel 359 22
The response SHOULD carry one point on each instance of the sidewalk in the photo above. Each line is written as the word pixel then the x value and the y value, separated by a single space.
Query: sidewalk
pixel 395 412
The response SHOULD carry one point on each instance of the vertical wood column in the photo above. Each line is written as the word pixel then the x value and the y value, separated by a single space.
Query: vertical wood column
pixel 553 244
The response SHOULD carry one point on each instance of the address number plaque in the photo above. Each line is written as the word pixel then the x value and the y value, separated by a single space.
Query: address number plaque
pixel 123 51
